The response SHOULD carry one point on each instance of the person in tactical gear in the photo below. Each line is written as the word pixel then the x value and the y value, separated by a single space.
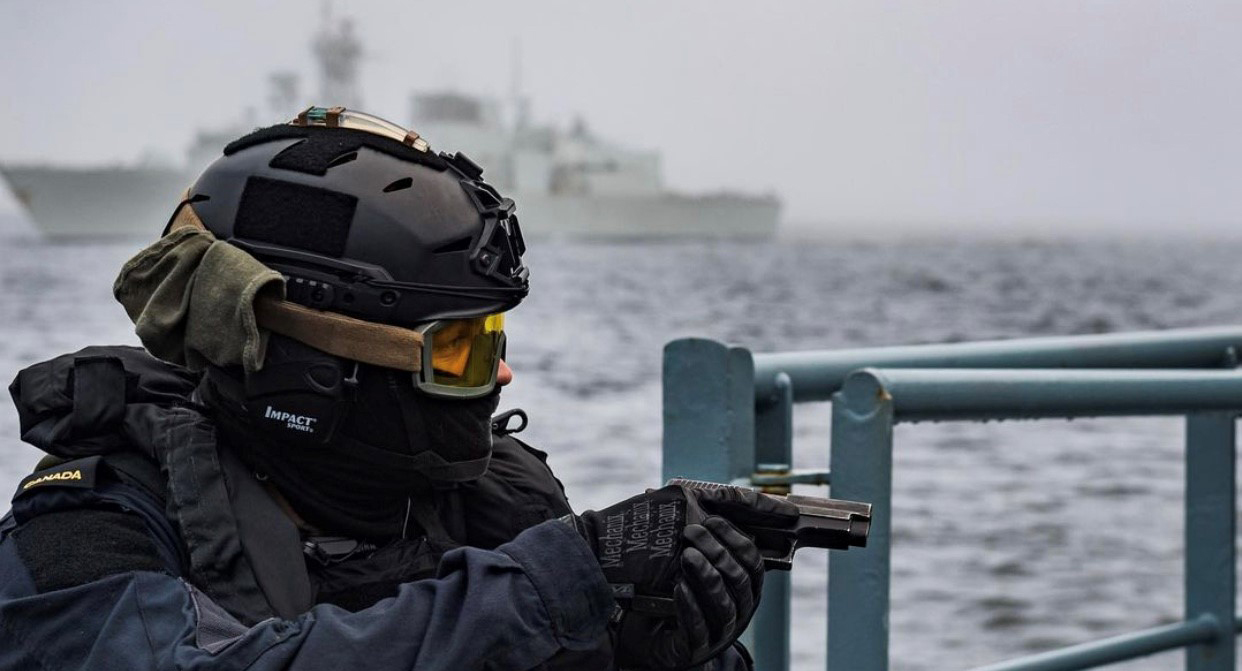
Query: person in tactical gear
pixel 301 470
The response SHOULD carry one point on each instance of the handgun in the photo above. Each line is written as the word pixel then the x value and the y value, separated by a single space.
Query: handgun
pixel 822 523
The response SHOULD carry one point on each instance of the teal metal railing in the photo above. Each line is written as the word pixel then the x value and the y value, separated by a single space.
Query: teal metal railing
pixel 728 418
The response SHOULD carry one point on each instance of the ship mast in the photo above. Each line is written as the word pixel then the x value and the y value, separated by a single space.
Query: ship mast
pixel 337 51
pixel 521 104
pixel 282 97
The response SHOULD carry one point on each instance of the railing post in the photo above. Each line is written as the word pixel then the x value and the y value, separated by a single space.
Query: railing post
pixel 709 414
pixel 709 410
pixel 862 470
pixel 1211 550
pixel 774 445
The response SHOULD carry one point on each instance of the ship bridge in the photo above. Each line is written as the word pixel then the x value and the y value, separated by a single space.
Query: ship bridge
pixel 533 159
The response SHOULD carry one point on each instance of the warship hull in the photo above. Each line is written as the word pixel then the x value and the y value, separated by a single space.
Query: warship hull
pixel 655 216
pixel 107 202
pixel 118 202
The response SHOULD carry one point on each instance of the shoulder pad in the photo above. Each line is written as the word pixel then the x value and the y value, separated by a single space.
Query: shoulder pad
pixel 79 473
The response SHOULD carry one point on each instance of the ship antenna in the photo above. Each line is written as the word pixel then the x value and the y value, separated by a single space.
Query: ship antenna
pixel 337 51
pixel 521 105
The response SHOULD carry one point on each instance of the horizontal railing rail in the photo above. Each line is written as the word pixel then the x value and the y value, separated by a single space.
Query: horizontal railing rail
pixel 817 374
pixel 924 394
pixel 728 418
pixel 1204 629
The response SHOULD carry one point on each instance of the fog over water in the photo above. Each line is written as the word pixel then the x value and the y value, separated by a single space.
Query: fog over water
pixel 1009 538
pixel 1044 117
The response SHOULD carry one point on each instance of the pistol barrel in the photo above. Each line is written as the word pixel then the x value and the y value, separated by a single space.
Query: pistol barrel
pixel 833 524
pixel 832 521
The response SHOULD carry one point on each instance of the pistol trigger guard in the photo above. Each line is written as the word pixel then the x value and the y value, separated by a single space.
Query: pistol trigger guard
pixel 781 563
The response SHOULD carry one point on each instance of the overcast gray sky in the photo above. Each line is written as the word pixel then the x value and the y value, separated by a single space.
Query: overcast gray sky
pixel 1046 114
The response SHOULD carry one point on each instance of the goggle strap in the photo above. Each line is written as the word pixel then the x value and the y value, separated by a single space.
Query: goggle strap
pixel 377 344
pixel 331 332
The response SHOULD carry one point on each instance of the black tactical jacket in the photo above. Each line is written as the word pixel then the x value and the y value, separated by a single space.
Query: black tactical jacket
pixel 147 544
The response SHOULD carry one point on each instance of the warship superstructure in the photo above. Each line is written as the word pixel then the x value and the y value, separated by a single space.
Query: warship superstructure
pixel 568 183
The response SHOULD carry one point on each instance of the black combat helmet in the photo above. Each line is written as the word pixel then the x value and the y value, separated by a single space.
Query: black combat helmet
pixel 363 218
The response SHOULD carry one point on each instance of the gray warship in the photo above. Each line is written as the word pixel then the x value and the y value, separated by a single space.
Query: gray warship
pixel 567 182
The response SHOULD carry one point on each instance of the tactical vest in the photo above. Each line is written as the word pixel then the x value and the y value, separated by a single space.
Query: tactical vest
pixel 117 416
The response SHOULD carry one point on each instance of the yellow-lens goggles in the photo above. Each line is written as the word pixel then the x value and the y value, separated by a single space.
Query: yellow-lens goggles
pixel 461 356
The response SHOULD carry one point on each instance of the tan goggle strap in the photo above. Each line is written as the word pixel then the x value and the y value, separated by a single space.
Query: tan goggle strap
pixel 355 339
pixel 377 344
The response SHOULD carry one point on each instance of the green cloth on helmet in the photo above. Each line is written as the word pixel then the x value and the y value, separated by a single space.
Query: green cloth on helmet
pixel 191 297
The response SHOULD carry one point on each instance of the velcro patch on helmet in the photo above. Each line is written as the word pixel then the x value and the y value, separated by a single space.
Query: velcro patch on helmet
pixel 316 154
pixel 295 215
pixel 322 145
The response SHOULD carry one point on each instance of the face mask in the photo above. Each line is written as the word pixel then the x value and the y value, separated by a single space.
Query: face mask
pixel 381 443
pixel 449 440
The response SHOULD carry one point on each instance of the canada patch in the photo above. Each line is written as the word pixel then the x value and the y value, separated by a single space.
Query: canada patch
pixel 77 473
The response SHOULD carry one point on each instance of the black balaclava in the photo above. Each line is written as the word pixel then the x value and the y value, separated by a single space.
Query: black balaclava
pixel 391 444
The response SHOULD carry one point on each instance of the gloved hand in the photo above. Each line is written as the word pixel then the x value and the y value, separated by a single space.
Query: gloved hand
pixel 686 578
pixel 735 658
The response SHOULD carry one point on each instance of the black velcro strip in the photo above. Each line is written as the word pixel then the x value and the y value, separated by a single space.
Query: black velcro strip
pixel 295 215
pixel 317 153
pixel 75 547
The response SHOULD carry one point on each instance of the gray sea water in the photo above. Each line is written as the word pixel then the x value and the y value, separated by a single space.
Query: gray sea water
pixel 1009 538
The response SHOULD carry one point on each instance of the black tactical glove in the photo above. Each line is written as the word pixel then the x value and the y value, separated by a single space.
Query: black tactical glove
pixel 686 579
